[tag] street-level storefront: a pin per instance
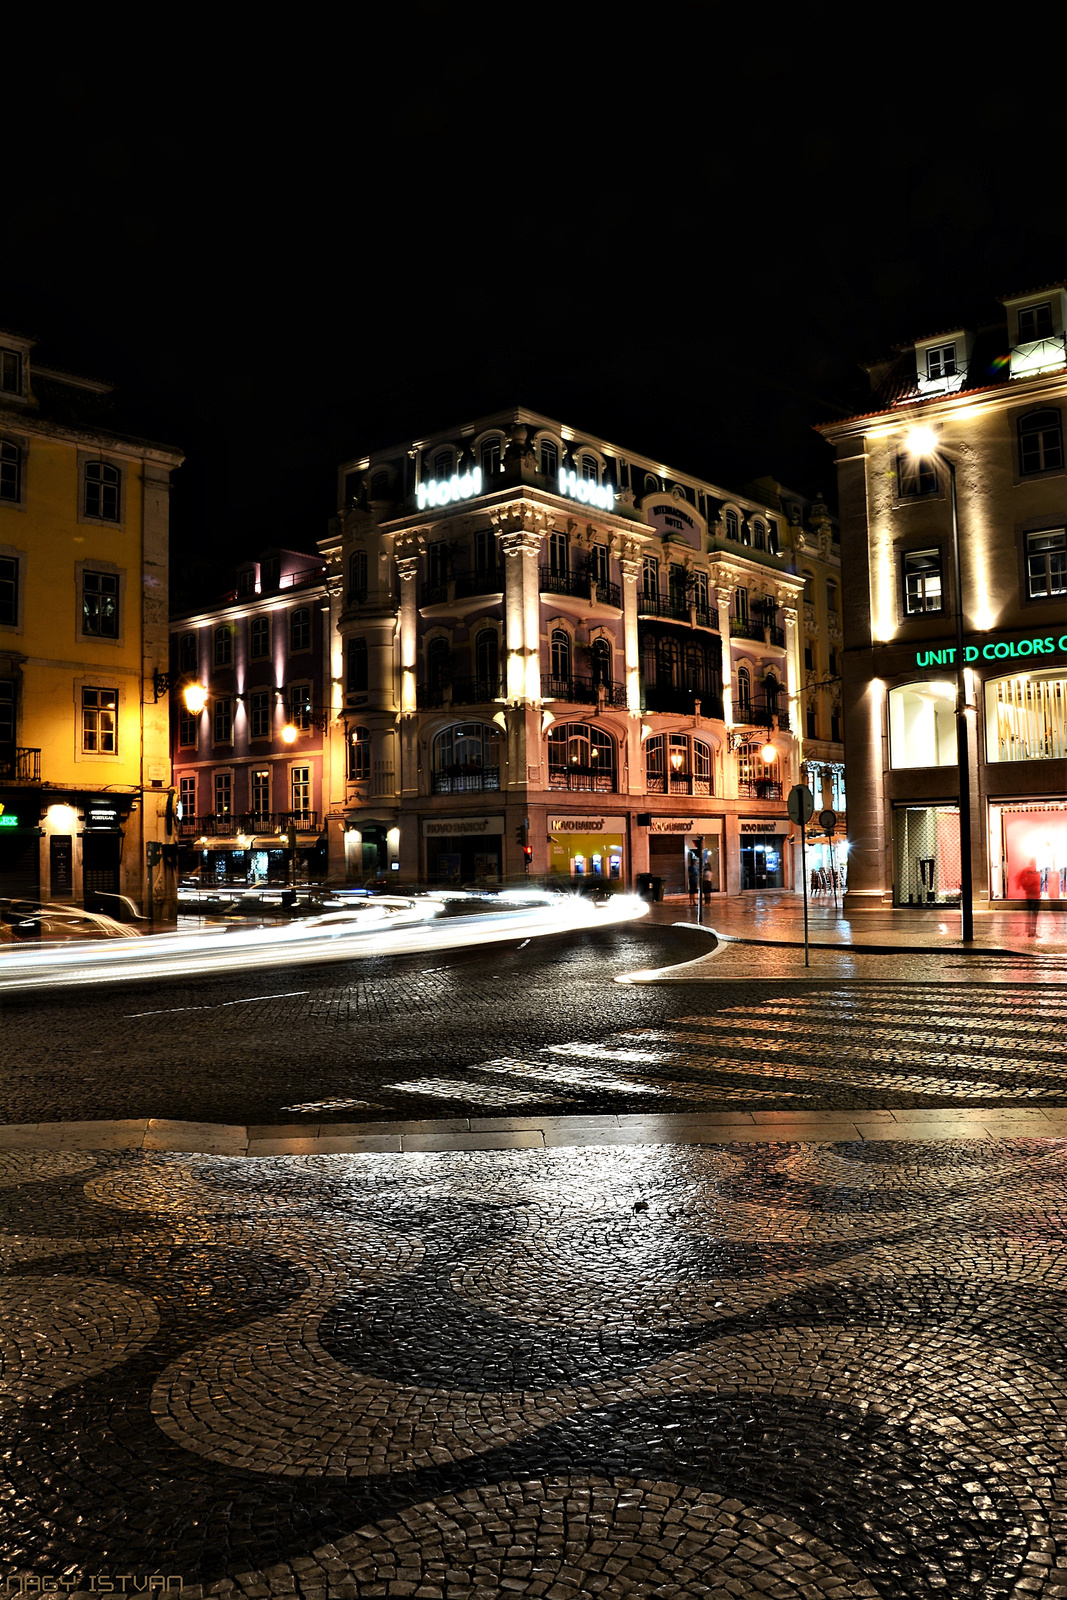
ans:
(461, 850)
(372, 848)
(762, 848)
(1028, 837)
(20, 851)
(587, 846)
(682, 849)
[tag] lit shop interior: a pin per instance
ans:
(586, 847)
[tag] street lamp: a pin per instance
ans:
(924, 445)
(289, 733)
(195, 697)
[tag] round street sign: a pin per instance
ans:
(801, 802)
(827, 821)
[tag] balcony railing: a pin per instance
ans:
(776, 636)
(20, 765)
(433, 594)
(303, 575)
(747, 628)
(761, 789)
(650, 605)
(683, 702)
(587, 778)
(758, 715)
(458, 692)
(582, 585)
(488, 581)
(579, 690)
(229, 825)
(678, 783)
(488, 778)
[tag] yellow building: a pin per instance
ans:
(86, 808)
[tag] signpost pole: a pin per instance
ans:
(800, 805)
(804, 876)
(700, 878)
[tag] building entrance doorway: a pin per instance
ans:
(101, 855)
(761, 863)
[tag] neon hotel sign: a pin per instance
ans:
(1044, 644)
(466, 485)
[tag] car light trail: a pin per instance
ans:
(389, 926)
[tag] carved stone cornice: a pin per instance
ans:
(521, 516)
(407, 568)
(630, 567)
(811, 618)
(520, 542)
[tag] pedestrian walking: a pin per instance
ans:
(1030, 884)
(693, 877)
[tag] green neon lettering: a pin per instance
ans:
(1026, 647)
(970, 653)
(1000, 650)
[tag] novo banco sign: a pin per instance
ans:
(994, 649)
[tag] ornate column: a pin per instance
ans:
(407, 566)
(792, 657)
(630, 566)
(724, 596)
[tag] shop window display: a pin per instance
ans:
(926, 852)
(1027, 836)
(922, 725)
(1026, 717)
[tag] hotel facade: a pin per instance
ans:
(539, 654)
(991, 404)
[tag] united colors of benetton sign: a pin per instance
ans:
(1038, 644)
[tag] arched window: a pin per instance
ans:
(549, 459)
(580, 757)
(561, 655)
(438, 663)
(357, 666)
(656, 764)
(702, 776)
(300, 629)
(602, 661)
(259, 638)
(10, 471)
(831, 595)
(223, 646)
(559, 555)
(442, 464)
(487, 663)
(651, 483)
(1040, 441)
(649, 578)
(757, 779)
(696, 663)
(741, 604)
(771, 691)
(357, 577)
(759, 535)
(809, 586)
(772, 538)
(744, 690)
(668, 663)
(490, 457)
(465, 758)
(359, 755)
(590, 469)
(379, 486)
(732, 526)
(102, 486)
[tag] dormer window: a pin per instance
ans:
(10, 372)
(941, 361)
(549, 459)
(731, 525)
(1035, 322)
(379, 486)
(442, 465)
(590, 469)
(490, 457)
(246, 581)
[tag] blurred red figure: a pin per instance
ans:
(1030, 883)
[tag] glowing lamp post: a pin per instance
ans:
(195, 697)
(289, 733)
(923, 444)
(768, 754)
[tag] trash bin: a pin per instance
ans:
(649, 887)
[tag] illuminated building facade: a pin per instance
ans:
(549, 652)
(249, 762)
(86, 814)
(993, 401)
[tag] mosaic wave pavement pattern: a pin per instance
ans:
(774, 1370)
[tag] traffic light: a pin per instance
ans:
(522, 838)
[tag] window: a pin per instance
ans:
(756, 778)
(484, 550)
(442, 464)
(941, 361)
(10, 471)
(916, 476)
(809, 658)
(357, 577)
(650, 578)
(744, 690)
(270, 571)
(187, 653)
(732, 525)
(676, 586)
(602, 661)
(922, 581)
(746, 533)
(102, 491)
(7, 713)
(487, 661)
(922, 725)
(599, 563)
(100, 605)
(246, 581)
(438, 663)
(359, 755)
(561, 654)
(701, 766)
(187, 798)
(437, 563)
(811, 725)
(1046, 564)
(1026, 719)
(833, 663)
(223, 784)
(559, 555)
(759, 535)
(187, 727)
(656, 764)
(259, 638)
(490, 458)
(651, 484)
(700, 590)
(100, 709)
(831, 595)
(299, 697)
(1040, 441)
(741, 604)
(223, 722)
(835, 725)
(223, 643)
(580, 757)
(259, 791)
(379, 486)
(590, 469)
(549, 459)
(300, 788)
(772, 538)
(9, 591)
(771, 691)
(10, 372)
(809, 587)
(357, 665)
(466, 747)
(1035, 322)
(260, 717)
(300, 629)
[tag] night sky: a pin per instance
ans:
(684, 243)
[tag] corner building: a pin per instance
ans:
(994, 401)
(550, 652)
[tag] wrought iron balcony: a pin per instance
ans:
(585, 778)
(678, 783)
(682, 702)
(580, 690)
(231, 825)
(673, 610)
(487, 581)
(20, 764)
(747, 628)
(433, 594)
(486, 778)
(776, 636)
(761, 789)
(458, 692)
(582, 585)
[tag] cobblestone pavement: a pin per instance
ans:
(784, 1370)
(543, 1026)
